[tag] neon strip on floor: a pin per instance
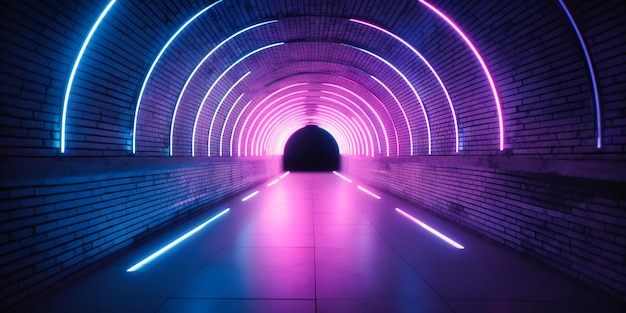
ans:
(284, 175)
(342, 177)
(273, 182)
(250, 196)
(175, 242)
(369, 192)
(432, 230)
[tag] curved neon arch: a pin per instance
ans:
(193, 73)
(232, 134)
(254, 109)
(363, 130)
(406, 80)
(328, 122)
(470, 44)
(156, 60)
(382, 126)
(348, 124)
(273, 114)
(430, 67)
(79, 57)
(592, 76)
(217, 109)
(226, 122)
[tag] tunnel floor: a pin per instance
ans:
(313, 242)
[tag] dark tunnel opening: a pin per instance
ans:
(311, 149)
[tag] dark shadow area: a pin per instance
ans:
(311, 149)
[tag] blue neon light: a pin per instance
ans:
(145, 81)
(175, 242)
(70, 82)
(182, 92)
(592, 75)
(226, 121)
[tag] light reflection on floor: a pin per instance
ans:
(316, 243)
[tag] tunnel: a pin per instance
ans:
(501, 124)
(311, 149)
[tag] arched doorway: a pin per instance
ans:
(311, 149)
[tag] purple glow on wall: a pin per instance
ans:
(193, 73)
(406, 118)
(480, 59)
(430, 67)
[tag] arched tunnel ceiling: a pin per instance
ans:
(237, 78)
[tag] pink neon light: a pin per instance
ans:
(480, 60)
(443, 87)
(432, 230)
(371, 123)
(382, 126)
(367, 132)
(258, 135)
(342, 177)
(250, 196)
(273, 182)
(328, 124)
(349, 125)
(343, 143)
(254, 109)
(285, 120)
(284, 175)
(368, 192)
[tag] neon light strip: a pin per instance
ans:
(432, 230)
(367, 131)
(232, 134)
(382, 126)
(250, 196)
(344, 145)
(406, 80)
(70, 82)
(376, 114)
(274, 117)
(273, 182)
(219, 105)
(406, 118)
(175, 242)
(257, 116)
(342, 177)
(145, 81)
(350, 126)
(592, 76)
(226, 121)
(281, 130)
(443, 87)
(482, 63)
(195, 124)
(193, 73)
(284, 175)
(249, 115)
(369, 192)
(347, 144)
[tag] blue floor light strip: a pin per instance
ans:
(175, 242)
(432, 230)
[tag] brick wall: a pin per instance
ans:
(69, 213)
(567, 214)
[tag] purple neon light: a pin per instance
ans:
(232, 134)
(226, 122)
(368, 192)
(364, 130)
(259, 134)
(366, 116)
(375, 112)
(342, 177)
(154, 63)
(257, 116)
(432, 230)
(272, 183)
(592, 76)
(328, 123)
(406, 118)
(430, 67)
(470, 44)
(350, 126)
(219, 105)
(280, 131)
(242, 128)
(343, 143)
(246, 198)
(193, 73)
(276, 115)
(406, 80)
(284, 175)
